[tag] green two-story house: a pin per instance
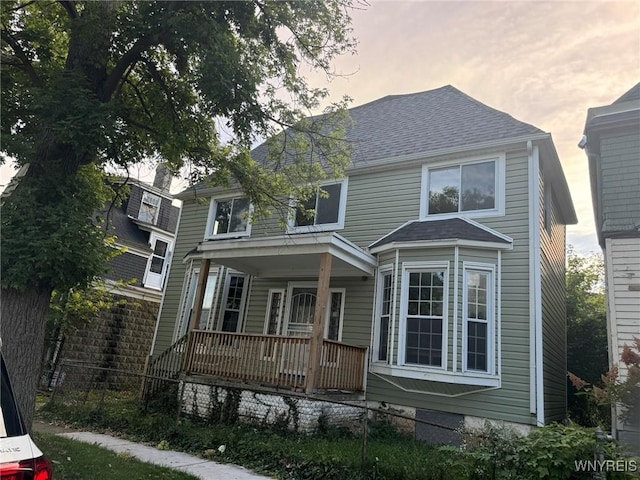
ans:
(430, 277)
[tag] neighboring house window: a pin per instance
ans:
(478, 318)
(189, 302)
(149, 208)
(323, 211)
(233, 303)
(381, 347)
(473, 188)
(158, 262)
(229, 218)
(424, 317)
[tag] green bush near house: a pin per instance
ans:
(488, 454)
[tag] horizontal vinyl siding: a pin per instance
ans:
(358, 301)
(552, 268)
(625, 258)
(190, 233)
(511, 401)
(380, 202)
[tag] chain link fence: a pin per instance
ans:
(90, 386)
(86, 387)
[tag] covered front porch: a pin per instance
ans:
(305, 357)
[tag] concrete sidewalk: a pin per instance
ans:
(196, 466)
(199, 467)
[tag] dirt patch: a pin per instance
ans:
(41, 426)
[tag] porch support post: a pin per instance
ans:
(317, 335)
(203, 275)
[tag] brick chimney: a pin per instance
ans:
(162, 179)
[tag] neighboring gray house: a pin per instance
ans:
(144, 225)
(431, 278)
(612, 142)
(120, 337)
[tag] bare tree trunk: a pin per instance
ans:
(22, 329)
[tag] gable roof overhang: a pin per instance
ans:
(442, 233)
(288, 256)
(623, 115)
(551, 164)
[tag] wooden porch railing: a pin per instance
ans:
(273, 360)
(166, 365)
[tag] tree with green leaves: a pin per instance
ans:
(88, 85)
(586, 331)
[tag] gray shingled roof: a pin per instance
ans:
(446, 229)
(399, 125)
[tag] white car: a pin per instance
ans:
(20, 458)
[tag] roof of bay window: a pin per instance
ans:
(453, 230)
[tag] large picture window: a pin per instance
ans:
(472, 188)
(323, 211)
(229, 218)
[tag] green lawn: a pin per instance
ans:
(73, 460)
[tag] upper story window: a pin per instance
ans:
(473, 187)
(229, 218)
(323, 211)
(149, 208)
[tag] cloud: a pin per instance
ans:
(544, 63)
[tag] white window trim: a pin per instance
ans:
(281, 291)
(213, 205)
(383, 270)
(491, 314)
(413, 267)
(153, 237)
(499, 209)
(342, 209)
(243, 300)
(287, 309)
(186, 286)
(156, 201)
(421, 373)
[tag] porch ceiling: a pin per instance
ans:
(288, 255)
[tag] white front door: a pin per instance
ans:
(301, 306)
(301, 309)
(158, 262)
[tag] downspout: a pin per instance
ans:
(535, 295)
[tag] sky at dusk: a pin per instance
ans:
(542, 62)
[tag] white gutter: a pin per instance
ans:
(536, 364)
(205, 190)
